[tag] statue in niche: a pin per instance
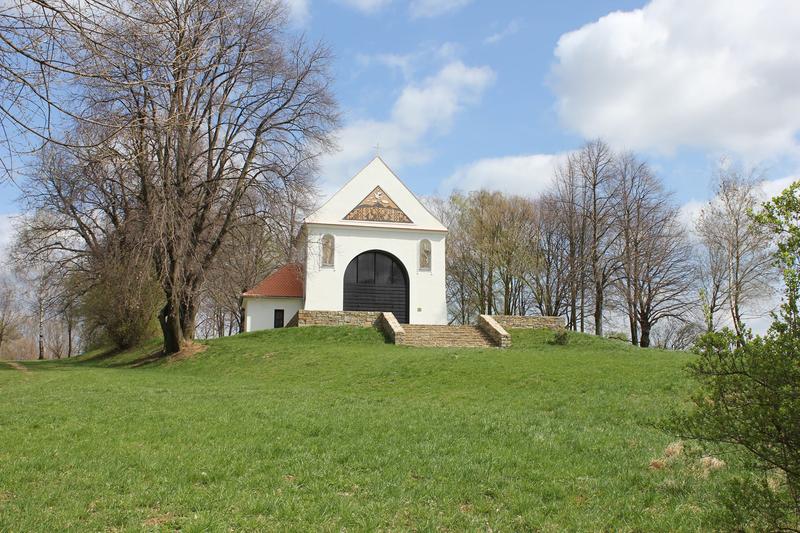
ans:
(327, 250)
(425, 255)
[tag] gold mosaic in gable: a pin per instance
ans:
(378, 207)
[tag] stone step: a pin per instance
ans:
(446, 336)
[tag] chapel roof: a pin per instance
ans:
(376, 197)
(286, 282)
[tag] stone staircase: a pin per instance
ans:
(446, 336)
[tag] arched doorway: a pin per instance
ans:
(376, 281)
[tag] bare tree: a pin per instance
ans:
(255, 247)
(739, 260)
(514, 249)
(655, 276)
(194, 108)
(570, 199)
(552, 278)
(9, 312)
(595, 164)
(712, 267)
(676, 334)
(461, 300)
(665, 281)
(38, 262)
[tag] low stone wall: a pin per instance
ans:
(392, 328)
(529, 322)
(497, 332)
(363, 319)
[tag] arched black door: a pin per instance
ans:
(376, 281)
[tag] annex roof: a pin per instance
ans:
(286, 282)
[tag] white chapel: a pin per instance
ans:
(372, 247)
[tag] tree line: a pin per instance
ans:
(606, 240)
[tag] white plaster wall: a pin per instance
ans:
(260, 312)
(324, 286)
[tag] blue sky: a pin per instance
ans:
(681, 83)
(478, 93)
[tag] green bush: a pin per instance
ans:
(121, 306)
(560, 337)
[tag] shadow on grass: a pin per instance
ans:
(145, 355)
(116, 358)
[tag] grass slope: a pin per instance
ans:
(331, 428)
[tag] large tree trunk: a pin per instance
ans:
(242, 317)
(220, 317)
(598, 309)
(634, 328)
(736, 316)
(188, 315)
(69, 337)
(583, 304)
(573, 312)
(644, 342)
(171, 328)
(41, 330)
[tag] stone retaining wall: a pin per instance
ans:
(392, 328)
(530, 322)
(497, 332)
(363, 319)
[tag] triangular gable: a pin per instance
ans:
(355, 204)
(378, 207)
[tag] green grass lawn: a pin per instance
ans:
(332, 429)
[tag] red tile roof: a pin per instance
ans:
(286, 282)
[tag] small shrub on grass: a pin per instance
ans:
(560, 338)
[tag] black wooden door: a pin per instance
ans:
(278, 323)
(376, 281)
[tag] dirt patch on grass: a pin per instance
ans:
(188, 351)
(671, 453)
(158, 520)
(710, 464)
(17, 366)
(673, 450)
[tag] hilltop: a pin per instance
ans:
(332, 428)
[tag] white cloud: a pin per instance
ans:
(421, 110)
(524, 174)
(773, 188)
(409, 63)
(435, 8)
(690, 211)
(299, 10)
(366, 6)
(715, 74)
(510, 29)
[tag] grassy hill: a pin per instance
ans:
(331, 428)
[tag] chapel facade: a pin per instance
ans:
(373, 246)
